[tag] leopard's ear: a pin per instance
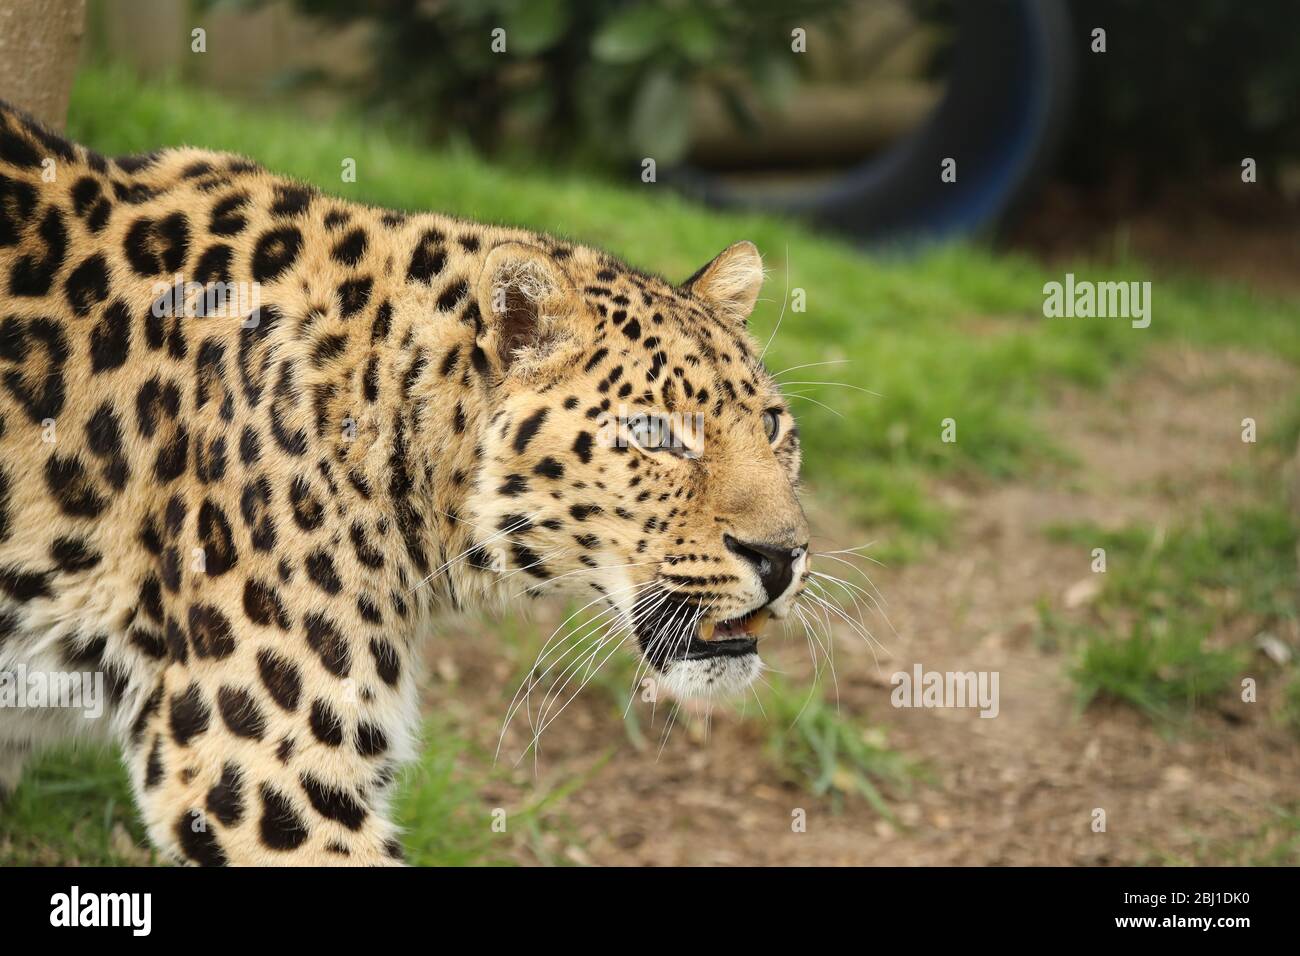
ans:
(730, 283)
(521, 291)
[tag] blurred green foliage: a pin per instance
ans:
(1184, 88)
(604, 79)
(1180, 89)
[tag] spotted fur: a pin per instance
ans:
(245, 521)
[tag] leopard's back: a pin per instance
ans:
(184, 339)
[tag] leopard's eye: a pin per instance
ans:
(651, 432)
(771, 423)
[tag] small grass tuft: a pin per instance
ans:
(1178, 605)
(1163, 674)
(73, 807)
(1289, 712)
(812, 744)
(1273, 840)
(447, 818)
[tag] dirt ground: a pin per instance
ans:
(1016, 789)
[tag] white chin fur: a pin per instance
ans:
(712, 677)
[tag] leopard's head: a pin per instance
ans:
(638, 454)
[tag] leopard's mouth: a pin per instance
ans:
(727, 638)
(660, 633)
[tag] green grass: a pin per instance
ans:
(1163, 671)
(1221, 567)
(957, 332)
(1167, 631)
(826, 753)
(73, 807)
(1289, 713)
(1272, 841)
(447, 821)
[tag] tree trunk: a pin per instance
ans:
(39, 43)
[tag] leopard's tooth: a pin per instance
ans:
(754, 623)
(706, 629)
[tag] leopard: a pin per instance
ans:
(256, 440)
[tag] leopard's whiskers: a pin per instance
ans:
(524, 521)
(785, 298)
(793, 368)
(858, 388)
(533, 678)
(813, 400)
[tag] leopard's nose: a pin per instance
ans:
(773, 564)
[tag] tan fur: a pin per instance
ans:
(246, 526)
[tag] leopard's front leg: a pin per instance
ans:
(266, 758)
